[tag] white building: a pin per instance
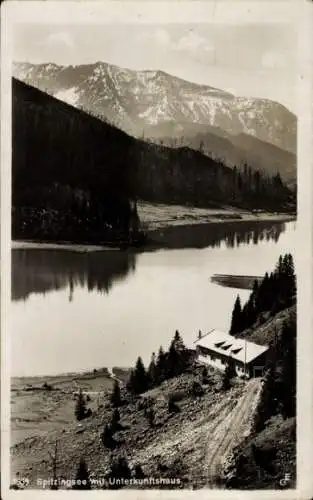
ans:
(216, 348)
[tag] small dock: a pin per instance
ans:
(236, 280)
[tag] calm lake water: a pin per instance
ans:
(73, 311)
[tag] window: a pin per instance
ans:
(219, 344)
(225, 347)
(235, 351)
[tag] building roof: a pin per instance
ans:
(222, 343)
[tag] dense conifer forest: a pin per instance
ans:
(275, 292)
(76, 178)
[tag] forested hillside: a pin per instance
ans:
(269, 317)
(74, 177)
(232, 150)
(70, 173)
(183, 175)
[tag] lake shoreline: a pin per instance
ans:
(197, 218)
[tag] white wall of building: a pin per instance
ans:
(216, 362)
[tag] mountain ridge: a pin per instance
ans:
(133, 99)
(69, 167)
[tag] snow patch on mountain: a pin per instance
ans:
(128, 98)
(70, 96)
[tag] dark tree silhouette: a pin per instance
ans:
(80, 406)
(161, 366)
(82, 481)
(119, 470)
(228, 374)
(116, 395)
(107, 437)
(176, 361)
(236, 320)
(138, 380)
(115, 421)
(152, 371)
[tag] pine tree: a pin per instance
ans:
(150, 414)
(229, 373)
(116, 395)
(177, 358)
(80, 407)
(250, 313)
(107, 437)
(160, 366)
(236, 320)
(255, 296)
(289, 369)
(172, 406)
(139, 474)
(152, 371)
(138, 381)
(115, 421)
(119, 470)
(131, 382)
(291, 277)
(82, 481)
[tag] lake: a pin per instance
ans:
(75, 311)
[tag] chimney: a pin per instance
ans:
(199, 334)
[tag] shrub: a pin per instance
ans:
(177, 395)
(172, 406)
(229, 373)
(115, 421)
(205, 375)
(107, 437)
(116, 395)
(82, 477)
(119, 470)
(80, 407)
(150, 414)
(196, 390)
(47, 387)
(139, 474)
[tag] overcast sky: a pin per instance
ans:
(249, 59)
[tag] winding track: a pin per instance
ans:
(230, 431)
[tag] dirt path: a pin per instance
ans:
(231, 430)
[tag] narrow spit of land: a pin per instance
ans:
(236, 280)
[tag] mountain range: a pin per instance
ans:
(159, 107)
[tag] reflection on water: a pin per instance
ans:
(107, 308)
(231, 234)
(40, 271)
